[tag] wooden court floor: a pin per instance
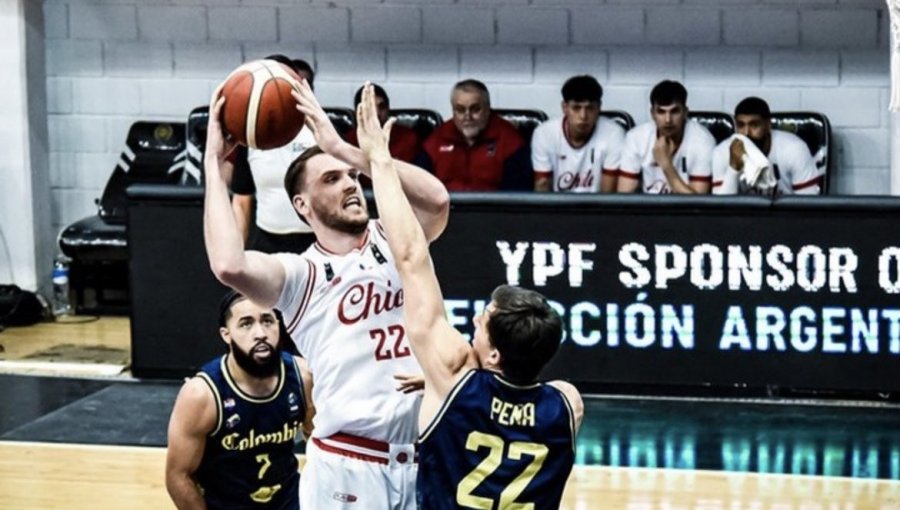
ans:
(37, 476)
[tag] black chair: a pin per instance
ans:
(98, 246)
(720, 124)
(620, 117)
(196, 145)
(420, 120)
(344, 119)
(526, 121)
(814, 129)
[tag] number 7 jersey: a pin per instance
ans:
(495, 445)
(345, 314)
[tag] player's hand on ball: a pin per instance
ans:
(374, 139)
(317, 120)
(218, 145)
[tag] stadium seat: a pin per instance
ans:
(422, 121)
(720, 124)
(196, 145)
(621, 118)
(525, 120)
(815, 129)
(98, 245)
(344, 119)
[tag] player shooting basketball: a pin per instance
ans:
(491, 436)
(342, 303)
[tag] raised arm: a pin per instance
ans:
(426, 194)
(258, 276)
(193, 417)
(441, 351)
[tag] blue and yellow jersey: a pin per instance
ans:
(494, 444)
(249, 460)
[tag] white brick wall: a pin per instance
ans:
(111, 62)
(314, 24)
(172, 23)
(386, 23)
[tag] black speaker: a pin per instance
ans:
(174, 295)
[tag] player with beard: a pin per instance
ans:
(343, 306)
(794, 167)
(234, 425)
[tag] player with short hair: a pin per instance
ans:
(477, 150)
(794, 167)
(233, 427)
(492, 435)
(580, 151)
(342, 301)
(668, 154)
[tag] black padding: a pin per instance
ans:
(151, 150)
(720, 124)
(196, 145)
(344, 119)
(814, 129)
(92, 239)
(620, 117)
(525, 120)
(420, 120)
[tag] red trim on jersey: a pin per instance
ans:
(304, 302)
(700, 178)
(806, 184)
(611, 171)
(717, 183)
(543, 172)
(325, 251)
(380, 228)
(628, 175)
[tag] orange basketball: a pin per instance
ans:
(259, 111)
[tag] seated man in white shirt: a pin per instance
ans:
(793, 166)
(668, 154)
(578, 152)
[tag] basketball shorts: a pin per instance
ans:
(354, 473)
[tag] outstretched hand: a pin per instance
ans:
(374, 139)
(218, 143)
(409, 383)
(327, 138)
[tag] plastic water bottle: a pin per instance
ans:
(61, 304)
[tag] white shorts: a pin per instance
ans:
(345, 472)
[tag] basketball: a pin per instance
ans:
(259, 111)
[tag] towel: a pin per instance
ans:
(757, 172)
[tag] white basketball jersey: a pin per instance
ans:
(794, 166)
(274, 212)
(692, 159)
(345, 314)
(576, 170)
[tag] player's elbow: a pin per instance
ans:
(413, 258)
(439, 212)
(228, 271)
